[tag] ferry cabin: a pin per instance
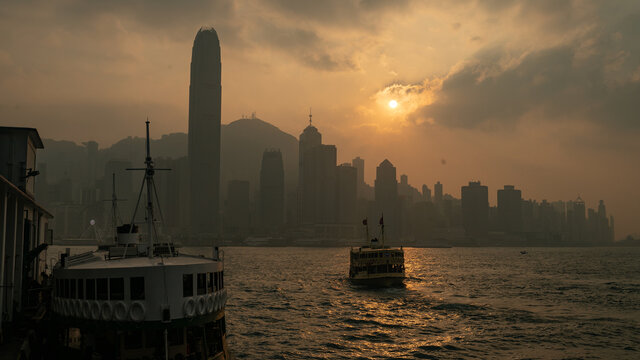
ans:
(376, 262)
(120, 307)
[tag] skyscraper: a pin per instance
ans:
(510, 209)
(272, 190)
(475, 208)
(205, 91)
(358, 163)
(386, 195)
(426, 193)
(346, 193)
(309, 139)
(437, 192)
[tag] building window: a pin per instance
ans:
(91, 289)
(202, 283)
(187, 285)
(136, 285)
(80, 288)
(102, 286)
(116, 285)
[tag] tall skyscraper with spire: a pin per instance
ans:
(205, 98)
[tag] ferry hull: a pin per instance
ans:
(382, 281)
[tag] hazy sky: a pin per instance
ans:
(544, 95)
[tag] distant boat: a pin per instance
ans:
(376, 264)
(524, 252)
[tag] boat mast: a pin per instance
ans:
(149, 180)
(114, 207)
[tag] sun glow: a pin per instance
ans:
(393, 104)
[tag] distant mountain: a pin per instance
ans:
(242, 144)
(244, 141)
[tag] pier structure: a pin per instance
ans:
(24, 224)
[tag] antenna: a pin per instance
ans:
(310, 116)
(149, 171)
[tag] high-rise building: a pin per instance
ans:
(205, 91)
(358, 163)
(475, 208)
(237, 218)
(346, 193)
(510, 209)
(386, 196)
(272, 190)
(426, 193)
(319, 193)
(309, 139)
(576, 219)
(437, 192)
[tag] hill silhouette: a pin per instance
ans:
(242, 143)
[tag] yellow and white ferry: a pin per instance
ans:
(376, 264)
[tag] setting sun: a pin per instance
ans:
(393, 104)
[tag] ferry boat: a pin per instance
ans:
(139, 298)
(376, 264)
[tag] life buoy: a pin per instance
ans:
(217, 301)
(67, 307)
(189, 307)
(86, 309)
(137, 311)
(76, 309)
(106, 311)
(201, 303)
(120, 311)
(95, 310)
(210, 303)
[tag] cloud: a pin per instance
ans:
(590, 78)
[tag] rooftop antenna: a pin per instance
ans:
(310, 116)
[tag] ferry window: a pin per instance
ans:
(65, 289)
(80, 288)
(187, 285)
(72, 288)
(102, 289)
(136, 287)
(58, 292)
(91, 289)
(116, 285)
(133, 340)
(209, 282)
(216, 281)
(221, 279)
(202, 283)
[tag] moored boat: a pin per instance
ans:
(140, 299)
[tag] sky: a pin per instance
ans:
(540, 94)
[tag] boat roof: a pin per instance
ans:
(374, 249)
(99, 262)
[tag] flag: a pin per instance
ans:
(382, 220)
(364, 222)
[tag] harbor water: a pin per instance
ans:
(558, 303)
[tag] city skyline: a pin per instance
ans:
(535, 124)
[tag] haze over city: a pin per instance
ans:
(539, 94)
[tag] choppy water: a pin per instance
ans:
(295, 303)
(561, 303)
